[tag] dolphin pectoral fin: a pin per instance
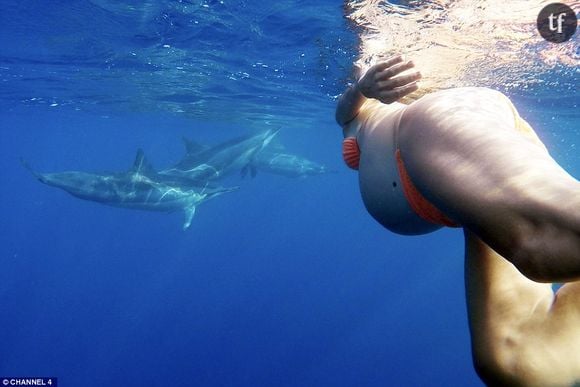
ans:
(244, 171)
(189, 213)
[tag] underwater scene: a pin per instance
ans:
(175, 206)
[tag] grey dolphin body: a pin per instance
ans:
(209, 163)
(138, 188)
(286, 164)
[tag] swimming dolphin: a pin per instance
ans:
(139, 188)
(286, 164)
(204, 163)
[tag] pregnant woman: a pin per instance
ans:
(463, 157)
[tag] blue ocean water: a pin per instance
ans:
(286, 282)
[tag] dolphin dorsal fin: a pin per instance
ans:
(141, 165)
(192, 147)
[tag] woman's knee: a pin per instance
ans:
(547, 254)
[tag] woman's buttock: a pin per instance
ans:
(388, 190)
(451, 114)
(464, 107)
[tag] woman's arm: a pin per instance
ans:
(379, 82)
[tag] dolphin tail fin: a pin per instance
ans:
(274, 145)
(250, 167)
(274, 131)
(269, 137)
(26, 165)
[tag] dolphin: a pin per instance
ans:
(139, 188)
(286, 164)
(202, 163)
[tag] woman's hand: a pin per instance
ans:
(381, 82)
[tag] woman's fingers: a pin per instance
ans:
(392, 61)
(391, 71)
(402, 80)
(379, 67)
(381, 81)
(390, 96)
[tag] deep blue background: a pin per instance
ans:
(282, 283)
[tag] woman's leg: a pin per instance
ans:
(464, 153)
(521, 334)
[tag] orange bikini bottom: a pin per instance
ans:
(425, 209)
(421, 206)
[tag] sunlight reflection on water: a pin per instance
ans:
(463, 42)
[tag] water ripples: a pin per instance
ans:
(205, 59)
